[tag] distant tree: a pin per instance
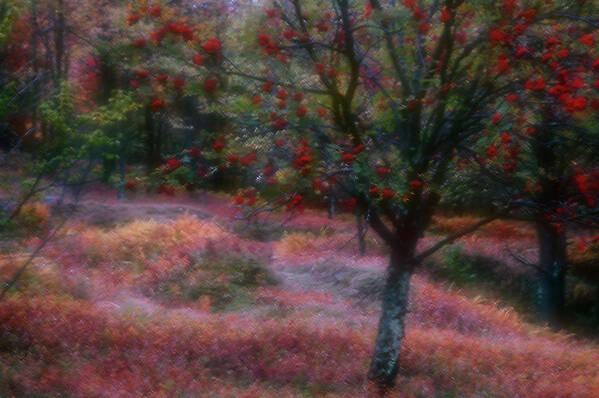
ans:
(542, 145)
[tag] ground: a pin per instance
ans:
(176, 297)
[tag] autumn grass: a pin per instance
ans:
(498, 229)
(282, 341)
(109, 355)
(324, 243)
(144, 239)
(219, 281)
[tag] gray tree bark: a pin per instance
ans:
(385, 361)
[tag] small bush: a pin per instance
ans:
(222, 281)
(457, 266)
(38, 281)
(33, 218)
(260, 231)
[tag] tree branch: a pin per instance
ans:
(454, 237)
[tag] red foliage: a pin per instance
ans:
(178, 83)
(171, 165)
(195, 152)
(156, 11)
(374, 191)
(387, 193)
(140, 43)
(445, 15)
(212, 46)
(132, 19)
(157, 105)
(348, 205)
(218, 145)
(210, 85)
(348, 158)
(142, 75)
(280, 124)
(198, 59)
(382, 171)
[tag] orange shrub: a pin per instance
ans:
(33, 217)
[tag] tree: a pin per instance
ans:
(374, 99)
(397, 114)
(542, 141)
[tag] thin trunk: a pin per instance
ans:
(59, 42)
(35, 62)
(122, 172)
(46, 128)
(551, 289)
(385, 361)
(108, 78)
(160, 140)
(153, 141)
(361, 233)
(332, 210)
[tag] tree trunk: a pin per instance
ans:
(551, 289)
(122, 175)
(34, 59)
(332, 209)
(385, 361)
(59, 29)
(153, 141)
(361, 233)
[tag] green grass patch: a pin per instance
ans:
(224, 282)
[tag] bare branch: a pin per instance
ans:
(454, 237)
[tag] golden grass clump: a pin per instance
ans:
(297, 243)
(144, 239)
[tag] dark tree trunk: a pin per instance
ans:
(191, 117)
(551, 289)
(552, 243)
(108, 78)
(35, 62)
(122, 175)
(385, 361)
(153, 141)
